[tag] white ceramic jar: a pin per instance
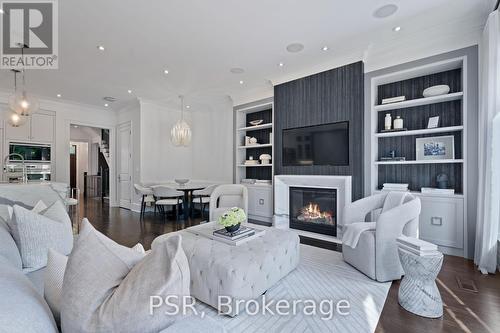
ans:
(388, 121)
(398, 123)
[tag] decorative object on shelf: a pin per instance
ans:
(181, 181)
(252, 141)
(398, 123)
(250, 158)
(251, 162)
(442, 180)
(433, 122)
(247, 181)
(247, 140)
(262, 181)
(387, 121)
(392, 157)
(256, 122)
(441, 89)
(21, 102)
(232, 219)
(180, 135)
(435, 148)
(393, 99)
(265, 159)
(432, 190)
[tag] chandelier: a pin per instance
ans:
(180, 135)
(14, 118)
(21, 102)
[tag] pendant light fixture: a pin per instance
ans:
(21, 102)
(13, 118)
(180, 135)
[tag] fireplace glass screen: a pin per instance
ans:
(314, 210)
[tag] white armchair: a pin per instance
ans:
(375, 253)
(227, 196)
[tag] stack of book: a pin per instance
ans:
(395, 187)
(393, 99)
(237, 237)
(432, 190)
(417, 246)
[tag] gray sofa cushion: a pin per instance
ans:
(195, 324)
(107, 287)
(22, 308)
(36, 233)
(8, 247)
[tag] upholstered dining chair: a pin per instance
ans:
(146, 194)
(202, 197)
(167, 196)
(371, 246)
(225, 197)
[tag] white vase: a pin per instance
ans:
(398, 123)
(388, 121)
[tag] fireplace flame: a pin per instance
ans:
(312, 212)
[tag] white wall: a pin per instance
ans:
(208, 157)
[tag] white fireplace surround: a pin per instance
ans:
(282, 185)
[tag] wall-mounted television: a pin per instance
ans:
(326, 144)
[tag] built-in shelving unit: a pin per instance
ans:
(260, 196)
(443, 217)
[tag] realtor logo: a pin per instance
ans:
(29, 34)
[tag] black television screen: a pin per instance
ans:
(326, 144)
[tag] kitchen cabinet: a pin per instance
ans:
(39, 128)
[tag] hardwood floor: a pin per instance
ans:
(465, 311)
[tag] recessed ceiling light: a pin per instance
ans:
(295, 47)
(325, 48)
(188, 106)
(237, 70)
(1, 11)
(241, 82)
(106, 104)
(75, 126)
(100, 47)
(281, 64)
(58, 95)
(396, 29)
(385, 11)
(129, 91)
(165, 71)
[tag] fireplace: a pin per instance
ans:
(313, 209)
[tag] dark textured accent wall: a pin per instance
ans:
(331, 96)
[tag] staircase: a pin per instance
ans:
(104, 145)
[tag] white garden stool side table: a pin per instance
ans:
(418, 292)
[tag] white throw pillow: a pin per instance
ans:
(35, 233)
(107, 287)
(54, 275)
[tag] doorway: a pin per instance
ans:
(89, 160)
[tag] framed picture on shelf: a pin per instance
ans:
(433, 122)
(435, 148)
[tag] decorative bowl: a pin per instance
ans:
(441, 89)
(181, 181)
(256, 122)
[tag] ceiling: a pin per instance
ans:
(198, 41)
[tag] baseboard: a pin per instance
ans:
(135, 207)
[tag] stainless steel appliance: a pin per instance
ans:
(31, 152)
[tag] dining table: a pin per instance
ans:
(188, 190)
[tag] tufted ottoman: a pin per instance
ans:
(240, 272)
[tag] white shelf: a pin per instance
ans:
(420, 162)
(254, 166)
(455, 195)
(420, 132)
(419, 101)
(256, 146)
(257, 127)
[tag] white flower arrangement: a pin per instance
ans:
(234, 216)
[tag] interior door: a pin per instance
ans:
(124, 165)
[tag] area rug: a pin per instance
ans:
(322, 275)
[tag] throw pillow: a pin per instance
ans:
(54, 275)
(35, 233)
(104, 292)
